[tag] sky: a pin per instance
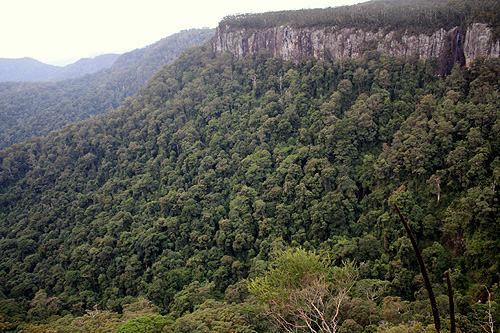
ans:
(60, 32)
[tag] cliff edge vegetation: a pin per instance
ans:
(415, 17)
(454, 32)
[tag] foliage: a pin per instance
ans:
(220, 164)
(145, 324)
(303, 292)
(423, 16)
(213, 316)
(139, 316)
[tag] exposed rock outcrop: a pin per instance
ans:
(480, 42)
(296, 43)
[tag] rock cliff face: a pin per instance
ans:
(297, 43)
(479, 42)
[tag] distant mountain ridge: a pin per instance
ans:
(24, 69)
(32, 70)
(30, 109)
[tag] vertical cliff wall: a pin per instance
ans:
(291, 43)
(480, 42)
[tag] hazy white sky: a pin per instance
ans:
(63, 31)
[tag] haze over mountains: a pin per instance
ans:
(32, 70)
(29, 109)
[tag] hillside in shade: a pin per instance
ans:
(30, 109)
(253, 193)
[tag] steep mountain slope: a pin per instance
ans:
(31, 70)
(35, 109)
(220, 163)
(454, 32)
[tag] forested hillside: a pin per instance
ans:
(221, 163)
(36, 108)
(84, 66)
(225, 173)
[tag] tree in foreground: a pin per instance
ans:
(303, 291)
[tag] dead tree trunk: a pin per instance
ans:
(452, 304)
(432, 299)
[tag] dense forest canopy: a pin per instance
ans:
(394, 15)
(225, 173)
(182, 193)
(30, 109)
